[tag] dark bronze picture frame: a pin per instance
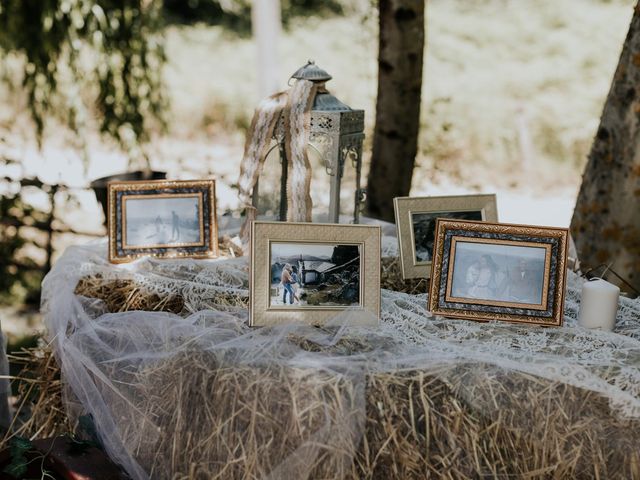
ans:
(121, 192)
(548, 312)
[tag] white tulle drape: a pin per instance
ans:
(100, 352)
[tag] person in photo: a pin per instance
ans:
(295, 283)
(286, 280)
(524, 286)
(158, 223)
(175, 226)
(481, 278)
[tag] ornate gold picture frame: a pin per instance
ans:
(497, 271)
(163, 218)
(310, 272)
(415, 223)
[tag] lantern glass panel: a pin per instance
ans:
(269, 183)
(320, 150)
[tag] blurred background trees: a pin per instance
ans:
(82, 64)
(509, 103)
(111, 48)
(236, 14)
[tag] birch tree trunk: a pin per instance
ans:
(606, 220)
(395, 140)
(265, 23)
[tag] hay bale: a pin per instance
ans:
(196, 418)
(192, 415)
(226, 422)
(466, 421)
(124, 295)
(476, 421)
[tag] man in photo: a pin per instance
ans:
(524, 285)
(175, 226)
(286, 280)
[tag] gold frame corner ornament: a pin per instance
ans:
(526, 231)
(162, 189)
(264, 234)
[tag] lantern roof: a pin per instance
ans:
(312, 72)
(325, 102)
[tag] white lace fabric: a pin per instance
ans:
(102, 353)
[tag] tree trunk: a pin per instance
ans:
(265, 23)
(395, 140)
(606, 220)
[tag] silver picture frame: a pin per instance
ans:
(416, 253)
(305, 237)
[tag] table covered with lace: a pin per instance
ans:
(159, 354)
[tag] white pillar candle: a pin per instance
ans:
(598, 305)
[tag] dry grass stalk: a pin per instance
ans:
(40, 412)
(228, 249)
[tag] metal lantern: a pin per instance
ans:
(336, 135)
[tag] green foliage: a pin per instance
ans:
(18, 448)
(122, 35)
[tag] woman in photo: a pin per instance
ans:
(158, 224)
(295, 283)
(481, 278)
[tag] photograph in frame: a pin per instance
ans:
(164, 219)
(416, 218)
(310, 273)
(491, 271)
(315, 275)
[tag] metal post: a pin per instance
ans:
(334, 199)
(358, 193)
(283, 182)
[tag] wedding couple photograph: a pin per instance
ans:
(162, 221)
(314, 275)
(499, 273)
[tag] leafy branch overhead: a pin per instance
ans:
(122, 74)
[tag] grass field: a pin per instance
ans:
(506, 84)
